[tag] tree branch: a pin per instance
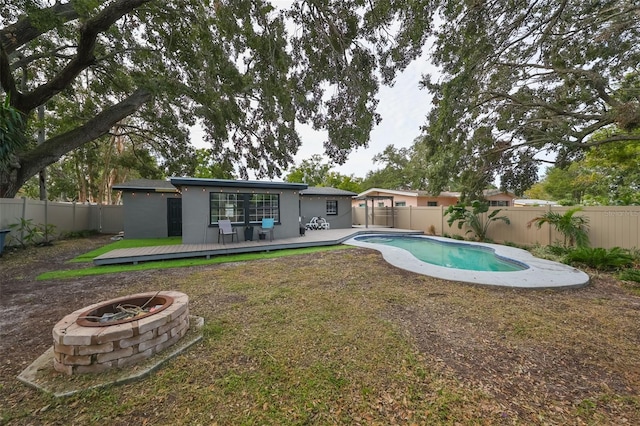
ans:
(51, 151)
(23, 31)
(84, 57)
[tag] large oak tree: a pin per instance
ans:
(525, 77)
(157, 67)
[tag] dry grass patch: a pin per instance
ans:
(344, 338)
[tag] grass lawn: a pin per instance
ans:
(127, 243)
(341, 337)
(165, 264)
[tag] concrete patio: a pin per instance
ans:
(312, 238)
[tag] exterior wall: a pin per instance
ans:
(501, 197)
(612, 226)
(442, 201)
(66, 217)
(145, 214)
(195, 214)
(423, 200)
(316, 205)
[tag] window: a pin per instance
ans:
(264, 206)
(332, 207)
(227, 206)
(243, 208)
(432, 204)
(380, 203)
(499, 203)
(401, 204)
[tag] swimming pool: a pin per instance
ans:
(526, 270)
(448, 254)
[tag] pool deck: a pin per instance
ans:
(312, 238)
(541, 274)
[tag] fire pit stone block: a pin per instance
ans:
(79, 349)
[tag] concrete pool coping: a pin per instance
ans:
(541, 274)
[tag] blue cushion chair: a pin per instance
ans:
(267, 228)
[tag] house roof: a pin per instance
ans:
(225, 183)
(325, 190)
(156, 185)
(374, 192)
(532, 202)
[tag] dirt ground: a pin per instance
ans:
(478, 335)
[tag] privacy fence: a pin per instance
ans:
(66, 217)
(609, 227)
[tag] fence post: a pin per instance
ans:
(46, 221)
(24, 217)
(549, 228)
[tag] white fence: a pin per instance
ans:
(66, 217)
(610, 226)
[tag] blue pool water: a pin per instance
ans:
(448, 254)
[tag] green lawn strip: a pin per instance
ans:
(122, 244)
(180, 263)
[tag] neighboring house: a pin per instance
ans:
(334, 205)
(385, 197)
(151, 208)
(527, 202)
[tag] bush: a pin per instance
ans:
(558, 250)
(630, 275)
(80, 234)
(29, 233)
(474, 218)
(600, 258)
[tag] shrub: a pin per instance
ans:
(473, 218)
(573, 228)
(600, 258)
(29, 233)
(630, 275)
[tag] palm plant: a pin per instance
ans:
(473, 218)
(573, 228)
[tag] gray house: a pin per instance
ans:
(245, 203)
(334, 205)
(152, 209)
(191, 207)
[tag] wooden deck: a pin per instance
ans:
(310, 239)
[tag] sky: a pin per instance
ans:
(403, 109)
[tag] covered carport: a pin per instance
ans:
(374, 199)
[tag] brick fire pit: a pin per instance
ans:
(81, 344)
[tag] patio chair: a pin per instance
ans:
(322, 223)
(266, 228)
(225, 229)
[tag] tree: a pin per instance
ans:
(616, 171)
(164, 65)
(474, 218)
(314, 172)
(207, 168)
(528, 77)
(607, 175)
(397, 171)
(344, 182)
(573, 228)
